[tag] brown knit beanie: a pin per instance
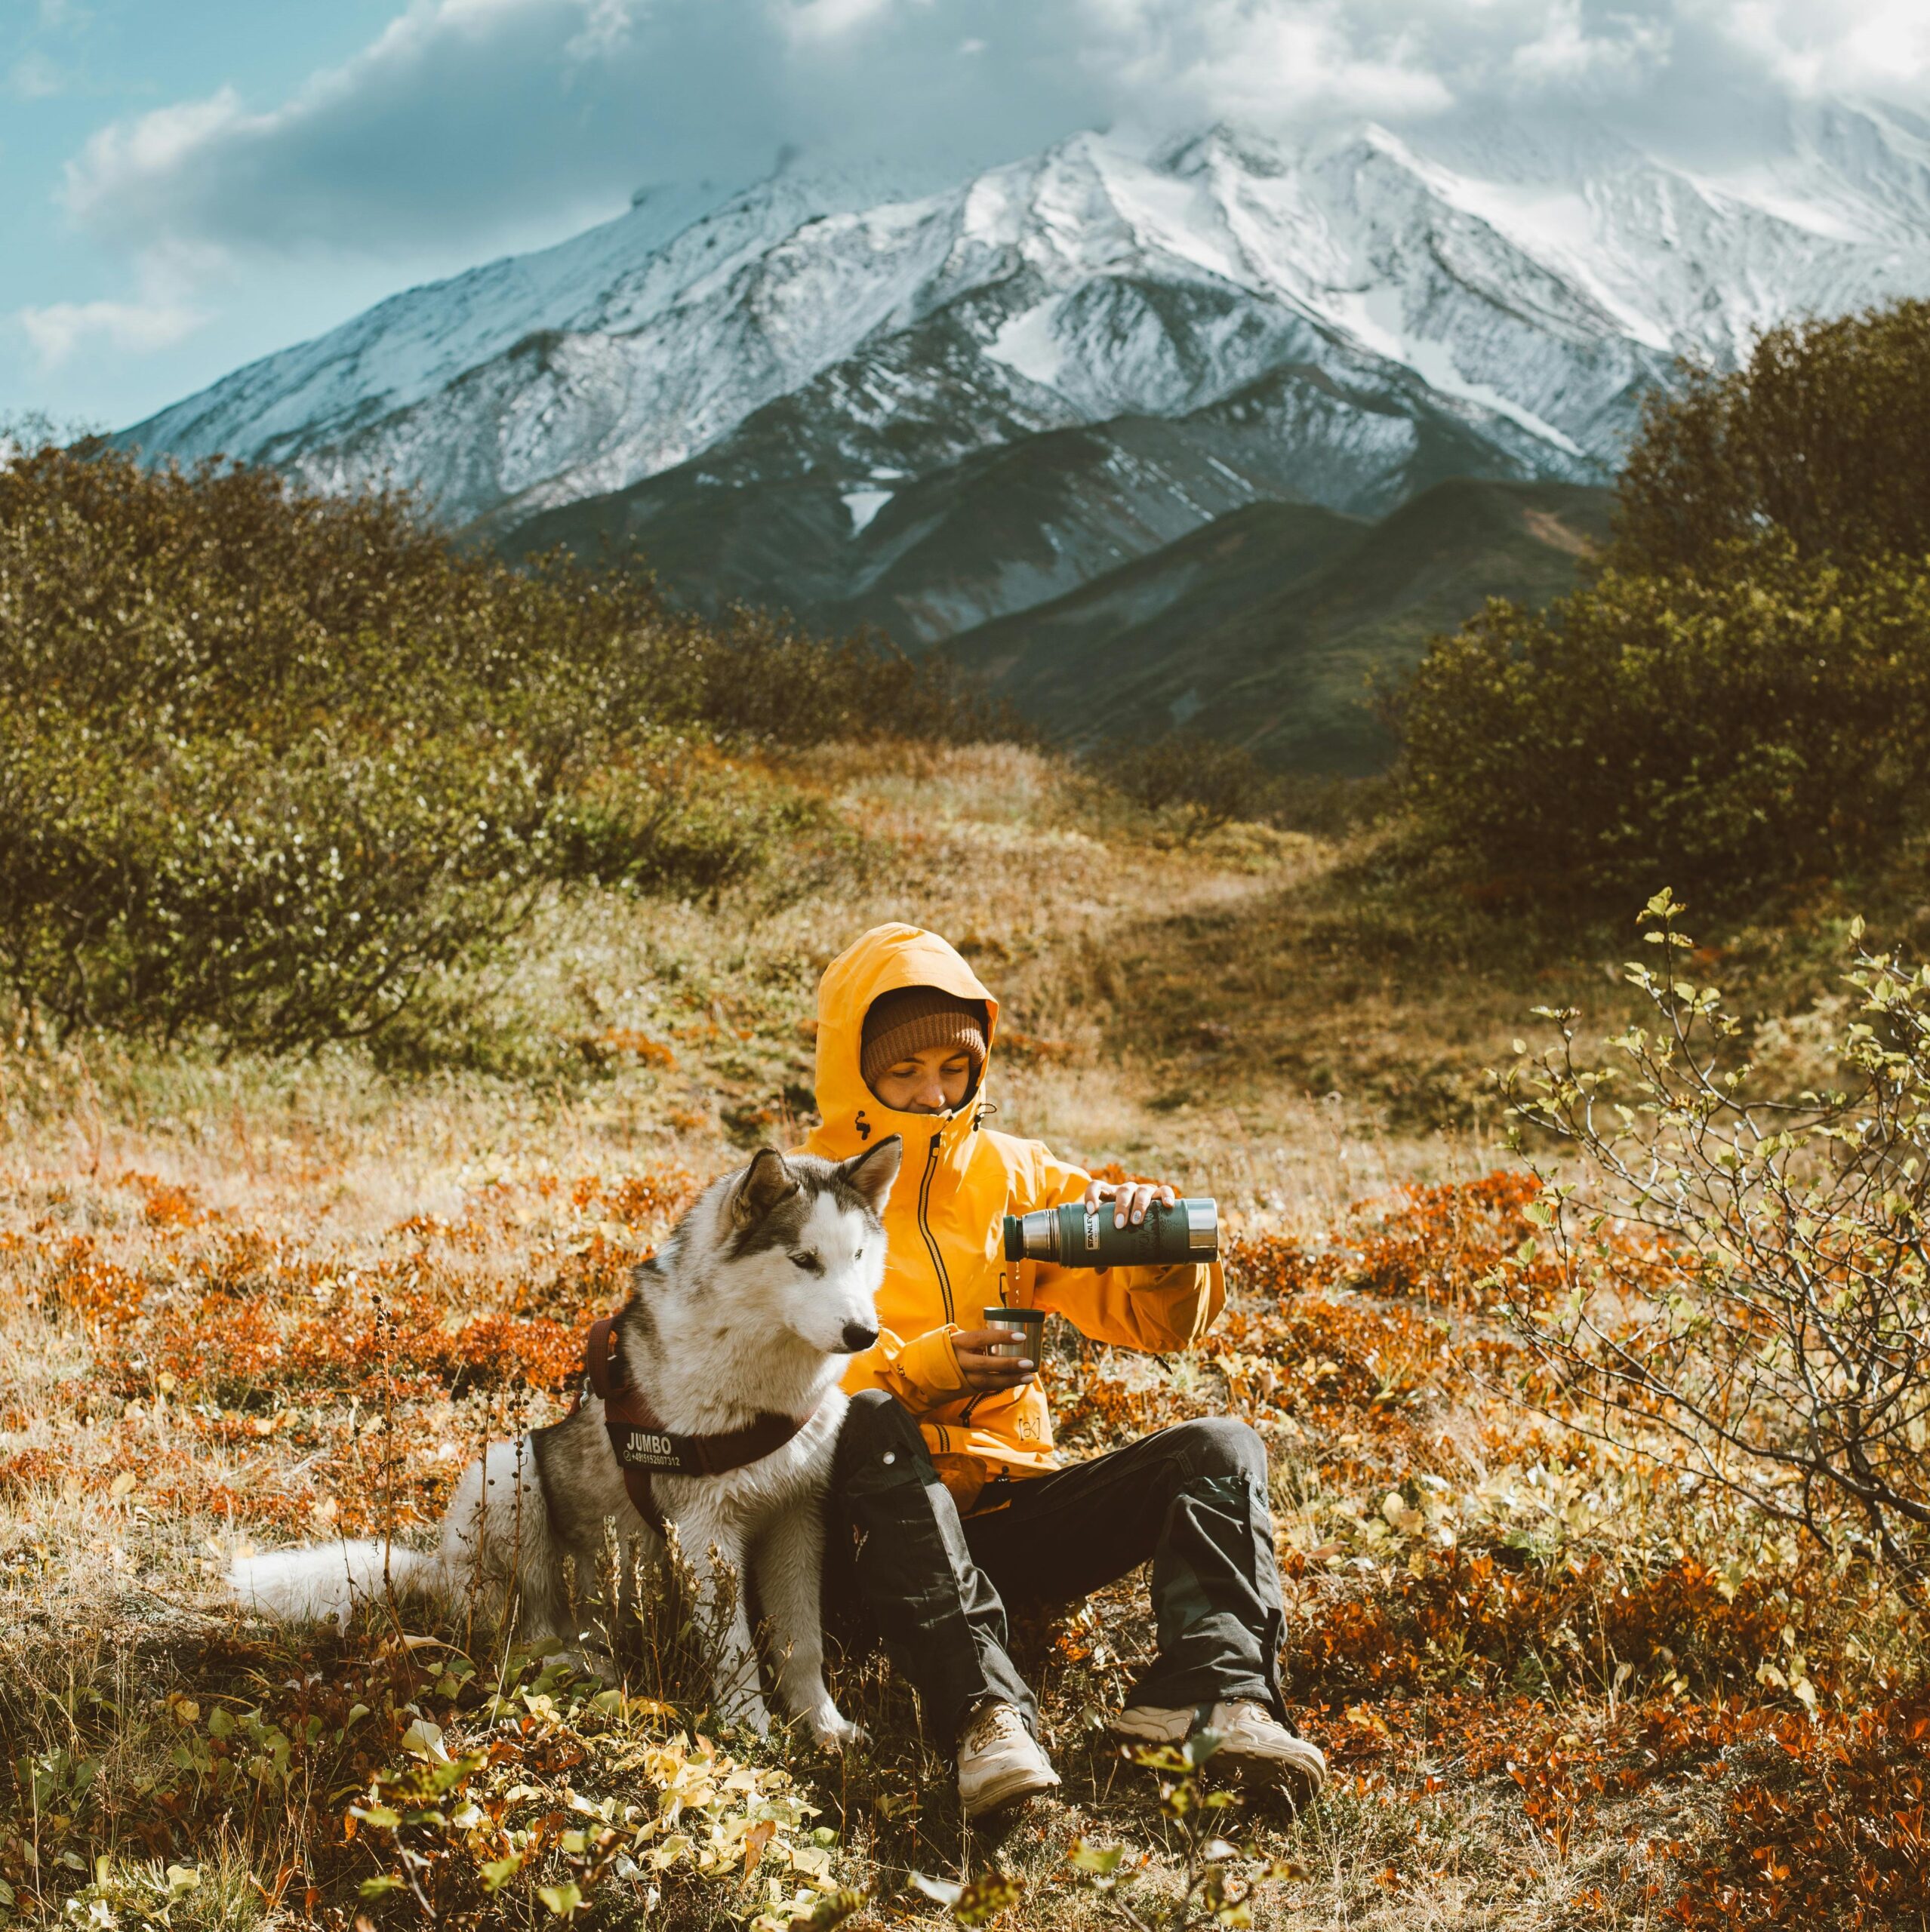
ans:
(900, 1024)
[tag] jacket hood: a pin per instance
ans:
(880, 961)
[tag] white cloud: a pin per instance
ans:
(61, 330)
(1279, 62)
(826, 19)
(461, 119)
(1566, 52)
(1827, 46)
(122, 156)
(34, 77)
(469, 125)
(603, 33)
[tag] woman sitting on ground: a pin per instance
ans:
(946, 1468)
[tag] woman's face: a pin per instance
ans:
(933, 1081)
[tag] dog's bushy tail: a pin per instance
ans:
(325, 1583)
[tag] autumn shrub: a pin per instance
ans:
(1832, 1816)
(272, 763)
(1459, 1617)
(755, 678)
(1786, 1354)
(673, 817)
(1200, 782)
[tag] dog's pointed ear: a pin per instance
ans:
(767, 1181)
(872, 1172)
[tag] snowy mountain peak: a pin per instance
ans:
(1514, 290)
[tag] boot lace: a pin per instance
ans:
(996, 1723)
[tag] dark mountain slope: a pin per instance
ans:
(764, 519)
(1265, 627)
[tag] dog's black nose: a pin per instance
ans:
(858, 1336)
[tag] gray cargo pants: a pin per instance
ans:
(1191, 1500)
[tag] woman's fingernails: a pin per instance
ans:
(1025, 1362)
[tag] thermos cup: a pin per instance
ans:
(1024, 1346)
(1081, 1236)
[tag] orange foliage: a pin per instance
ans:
(27, 1469)
(291, 1392)
(1434, 1244)
(253, 1345)
(614, 1041)
(1473, 1620)
(76, 1280)
(164, 1203)
(1028, 1049)
(1831, 1815)
(651, 1199)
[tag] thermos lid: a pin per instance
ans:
(1202, 1224)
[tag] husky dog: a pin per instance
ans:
(751, 1309)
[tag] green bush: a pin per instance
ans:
(1735, 734)
(1787, 1350)
(1736, 700)
(759, 679)
(164, 887)
(1200, 784)
(1197, 784)
(1818, 438)
(269, 762)
(674, 820)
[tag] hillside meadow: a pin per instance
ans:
(258, 1300)
(393, 943)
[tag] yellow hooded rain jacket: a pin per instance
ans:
(945, 1261)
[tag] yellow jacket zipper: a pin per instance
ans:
(925, 1227)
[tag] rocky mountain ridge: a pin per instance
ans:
(1526, 287)
(932, 411)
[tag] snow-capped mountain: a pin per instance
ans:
(1225, 319)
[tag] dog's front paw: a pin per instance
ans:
(833, 1731)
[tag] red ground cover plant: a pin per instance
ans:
(254, 1343)
(1355, 1347)
(1472, 1620)
(1527, 1636)
(1828, 1813)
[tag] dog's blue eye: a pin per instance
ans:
(809, 1263)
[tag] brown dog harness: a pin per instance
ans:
(645, 1447)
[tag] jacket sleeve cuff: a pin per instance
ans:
(928, 1368)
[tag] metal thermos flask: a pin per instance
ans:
(1081, 1236)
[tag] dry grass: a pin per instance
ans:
(252, 1303)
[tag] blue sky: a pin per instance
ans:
(186, 184)
(68, 70)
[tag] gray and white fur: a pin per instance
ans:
(756, 1303)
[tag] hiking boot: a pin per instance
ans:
(1000, 1762)
(1253, 1742)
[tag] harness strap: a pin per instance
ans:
(643, 1446)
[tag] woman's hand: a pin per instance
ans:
(983, 1372)
(1130, 1198)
